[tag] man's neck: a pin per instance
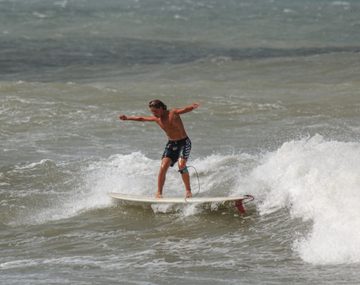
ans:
(164, 115)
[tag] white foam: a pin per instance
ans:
(61, 3)
(136, 174)
(289, 11)
(119, 173)
(86, 188)
(318, 181)
(344, 3)
(37, 14)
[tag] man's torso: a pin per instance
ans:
(173, 126)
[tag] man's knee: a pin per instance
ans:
(182, 165)
(165, 164)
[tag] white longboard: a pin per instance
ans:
(176, 200)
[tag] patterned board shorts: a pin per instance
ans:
(177, 149)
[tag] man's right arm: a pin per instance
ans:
(138, 118)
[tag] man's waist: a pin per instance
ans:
(179, 141)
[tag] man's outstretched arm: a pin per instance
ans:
(138, 118)
(187, 109)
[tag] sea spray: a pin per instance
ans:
(66, 189)
(318, 181)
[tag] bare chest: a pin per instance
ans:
(169, 122)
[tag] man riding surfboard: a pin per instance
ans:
(179, 145)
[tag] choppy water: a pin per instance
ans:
(279, 87)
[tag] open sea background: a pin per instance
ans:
(279, 84)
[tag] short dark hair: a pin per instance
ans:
(157, 104)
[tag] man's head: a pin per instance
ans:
(157, 104)
(157, 108)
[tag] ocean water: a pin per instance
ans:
(279, 86)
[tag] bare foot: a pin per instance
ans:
(188, 194)
(158, 196)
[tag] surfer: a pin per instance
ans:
(179, 145)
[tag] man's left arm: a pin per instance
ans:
(187, 109)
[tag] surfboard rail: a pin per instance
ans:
(175, 200)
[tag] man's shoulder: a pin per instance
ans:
(174, 111)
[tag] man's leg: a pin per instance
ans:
(185, 176)
(165, 164)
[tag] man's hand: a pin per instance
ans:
(197, 104)
(122, 117)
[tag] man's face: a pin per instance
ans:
(157, 112)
